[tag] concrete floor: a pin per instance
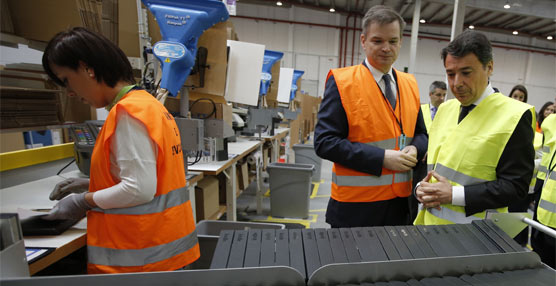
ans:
(246, 203)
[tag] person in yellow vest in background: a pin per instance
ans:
(542, 243)
(480, 150)
(370, 126)
(519, 93)
(139, 217)
(437, 94)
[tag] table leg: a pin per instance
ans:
(259, 192)
(231, 199)
(191, 189)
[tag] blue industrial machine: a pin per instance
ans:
(296, 75)
(270, 57)
(181, 24)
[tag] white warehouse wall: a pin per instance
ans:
(315, 49)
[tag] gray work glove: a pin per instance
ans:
(69, 186)
(73, 206)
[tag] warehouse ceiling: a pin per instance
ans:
(527, 17)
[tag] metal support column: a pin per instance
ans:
(414, 35)
(457, 19)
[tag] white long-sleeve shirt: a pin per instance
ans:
(132, 164)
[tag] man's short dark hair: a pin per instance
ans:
(469, 42)
(69, 48)
(381, 15)
(437, 84)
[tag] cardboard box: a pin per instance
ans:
(206, 198)
(128, 35)
(294, 131)
(273, 88)
(41, 20)
(266, 157)
(231, 31)
(11, 142)
(242, 175)
(222, 187)
(214, 40)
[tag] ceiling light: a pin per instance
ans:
(471, 27)
(422, 21)
(515, 32)
(549, 37)
(507, 5)
(279, 3)
(332, 10)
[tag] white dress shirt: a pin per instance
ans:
(378, 78)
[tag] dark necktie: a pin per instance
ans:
(388, 91)
(464, 111)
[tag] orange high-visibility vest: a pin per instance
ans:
(371, 121)
(156, 236)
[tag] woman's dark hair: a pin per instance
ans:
(69, 48)
(469, 42)
(520, 88)
(540, 118)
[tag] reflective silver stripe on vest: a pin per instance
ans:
(552, 175)
(389, 143)
(361, 181)
(456, 176)
(140, 257)
(546, 149)
(403, 177)
(548, 206)
(407, 140)
(384, 144)
(158, 204)
(451, 215)
(543, 169)
(430, 167)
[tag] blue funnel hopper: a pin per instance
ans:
(270, 57)
(296, 75)
(181, 24)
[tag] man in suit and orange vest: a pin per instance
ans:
(370, 126)
(480, 150)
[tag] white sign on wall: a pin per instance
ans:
(245, 65)
(285, 85)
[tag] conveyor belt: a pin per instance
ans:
(325, 254)
(322, 247)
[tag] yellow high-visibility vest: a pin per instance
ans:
(468, 153)
(546, 211)
(546, 149)
(427, 116)
(537, 144)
